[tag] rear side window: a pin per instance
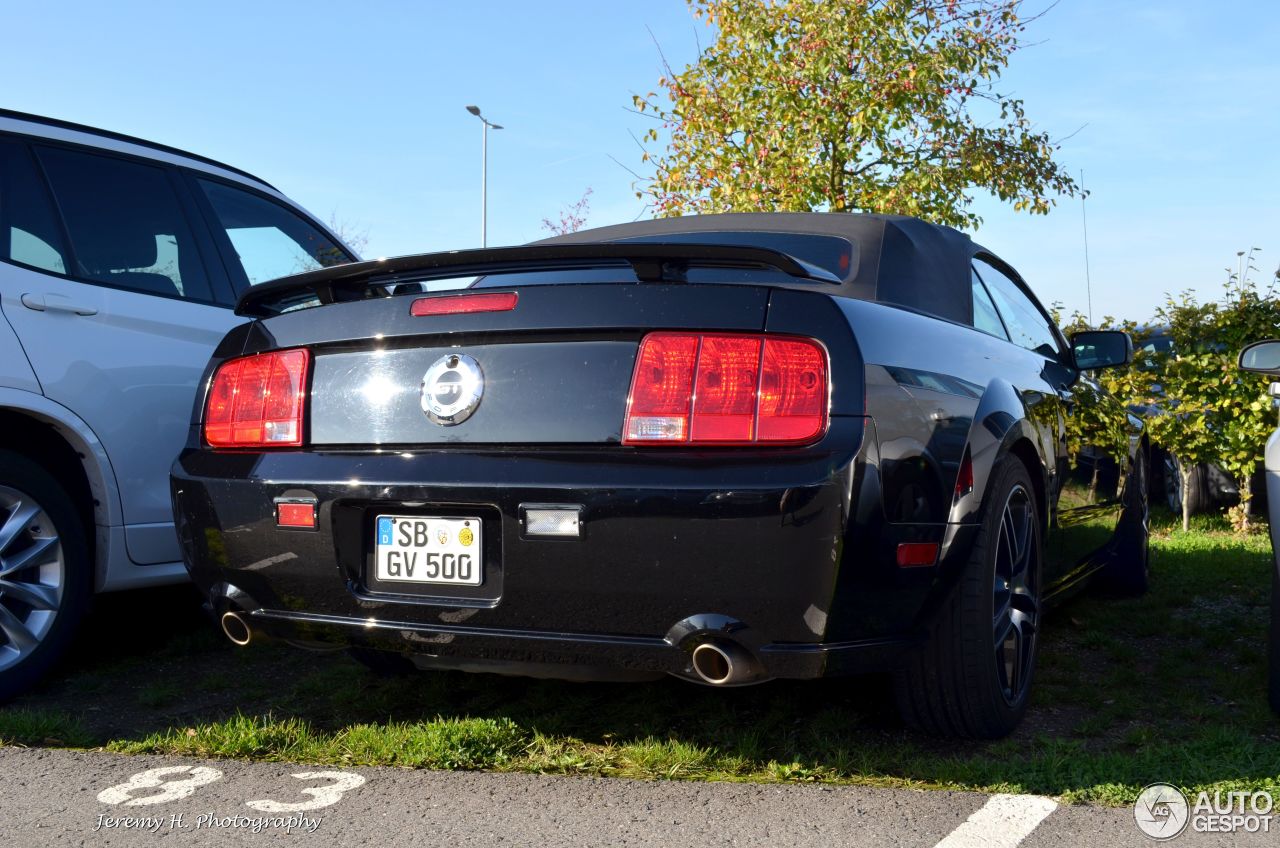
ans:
(270, 240)
(1027, 325)
(126, 224)
(985, 317)
(29, 232)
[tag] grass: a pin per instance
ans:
(160, 693)
(42, 727)
(1168, 687)
(443, 743)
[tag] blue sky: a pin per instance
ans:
(358, 110)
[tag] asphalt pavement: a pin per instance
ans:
(56, 797)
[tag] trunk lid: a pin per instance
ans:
(556, 369)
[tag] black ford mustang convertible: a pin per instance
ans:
(728, 448)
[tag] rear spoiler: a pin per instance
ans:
(651, 262)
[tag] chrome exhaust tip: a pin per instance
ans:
(236, 628)
(723, 663)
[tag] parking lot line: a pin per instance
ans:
(1003, 822)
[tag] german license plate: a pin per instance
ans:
(428, 549)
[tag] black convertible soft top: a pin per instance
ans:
(898, 259)
(894, 259)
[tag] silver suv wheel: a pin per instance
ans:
(33, 575)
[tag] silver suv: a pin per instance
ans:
(1264, 358)
(120, 261)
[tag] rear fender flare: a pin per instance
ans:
(107, 509)
(1000, 424)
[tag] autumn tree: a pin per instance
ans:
(353, 237)
(1245, 314)
(1186, 421)
(572, 217)
(849, 105)
(1211, 412)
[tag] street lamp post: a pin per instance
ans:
(484, 173)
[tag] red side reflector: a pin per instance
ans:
(964, 479)
(258, 401)
(727, 389)
(459, 304)
(296, 515)
(916, 554)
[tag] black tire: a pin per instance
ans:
(1127, 571)
(22, 667)
(382, 663)
(1273, 649)
(958, 684)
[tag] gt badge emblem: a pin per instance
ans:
(452, 388)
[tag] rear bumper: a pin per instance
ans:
(783, 552)
(586, 656)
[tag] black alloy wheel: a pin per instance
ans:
(972, 677)
(1015, 596)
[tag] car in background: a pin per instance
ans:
(1211, 488)
(727, 448)
(1264, 358)
(120, 262)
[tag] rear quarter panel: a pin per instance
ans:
(935, 389)
(932, 388)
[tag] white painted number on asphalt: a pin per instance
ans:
(174, 790)
(197, 776)
(1002, 822)
(321, 796)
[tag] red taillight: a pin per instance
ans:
(661, 389)
(459, 304)
(724, 399)
(793, 391)
(258, 401)
(726, 389)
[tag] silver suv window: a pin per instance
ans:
(270, 240)
(29, 233)
(126, 224)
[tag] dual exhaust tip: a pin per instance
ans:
(724, 663)
(716, 663)
(236, 628)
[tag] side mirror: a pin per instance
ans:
(1261, 357)
(1101, 349)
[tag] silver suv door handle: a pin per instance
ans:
(56, 303)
